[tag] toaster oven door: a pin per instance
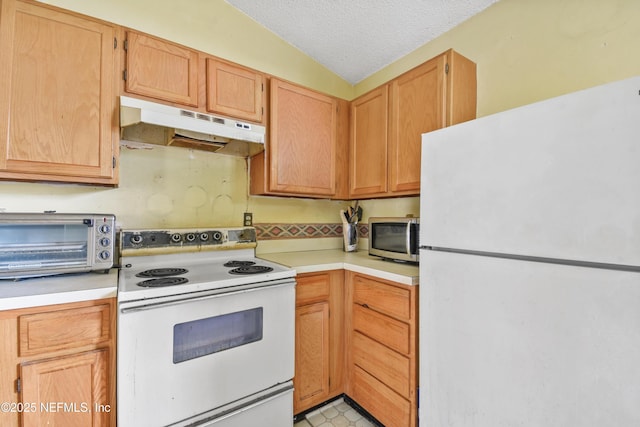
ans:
(41, 248)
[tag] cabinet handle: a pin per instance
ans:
(365, 305)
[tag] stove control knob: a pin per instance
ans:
(104, 229)
(105, 241)
(217, 235)
(136, 239)
(190, 237)
(104, 255)
(204, 236)
(176, 237)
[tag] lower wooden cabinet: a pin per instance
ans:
(319, 358)
(57, 367)
(357, 334)
(382, 348)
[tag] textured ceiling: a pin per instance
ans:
(356, 38)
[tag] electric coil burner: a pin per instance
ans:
(195, 305)
(251, 269)
(236, 263)
(163, 281)
(246, 267)
(162, 272)
(159, 277)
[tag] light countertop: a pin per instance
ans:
(333, 259)
(57, 289)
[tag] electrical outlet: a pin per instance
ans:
(248, 219)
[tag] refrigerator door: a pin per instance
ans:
(555, 179)
(518, 343)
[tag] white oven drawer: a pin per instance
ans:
(274, 411)
(188, 357)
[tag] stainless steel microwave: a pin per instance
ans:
(394, 238)
(42, 244)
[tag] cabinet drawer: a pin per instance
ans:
(312, 288)
(389, 367)
(384, 329)
(387, 406)
(63, 329)
(392, 300)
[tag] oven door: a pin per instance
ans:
(183, 356)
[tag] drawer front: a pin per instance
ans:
(386, 365)
(387, 406)
(63, 329)
(312, 288)
(392, 300)
(384, 329)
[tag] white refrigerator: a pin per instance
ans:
(530, 265)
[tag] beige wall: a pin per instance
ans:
(528, 51)
(525, 50)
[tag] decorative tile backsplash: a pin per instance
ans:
(273, 231)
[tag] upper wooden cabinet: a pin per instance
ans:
(368, 156)
(303, 156)
(172, 73)
(58, 104)
(386, 130)
(234, 91)
(160, 69)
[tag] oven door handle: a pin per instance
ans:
(129, 307)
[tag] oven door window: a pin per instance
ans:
(210, 335)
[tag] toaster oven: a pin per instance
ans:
(42, 244)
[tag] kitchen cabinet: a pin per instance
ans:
(160, 69)
(234, 91)
(319, 348)
(58, 365)
(369, 136)
(305, 155)
(387, 123)
(169, 72)
(382, 336)
(58, 95)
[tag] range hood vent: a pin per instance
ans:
(155, 123)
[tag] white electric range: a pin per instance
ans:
(205, 330)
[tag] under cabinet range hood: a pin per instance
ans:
(154, 123)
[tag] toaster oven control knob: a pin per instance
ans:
(204, 236)
(105, 241)
(104, 255)
(136, 239)
(190, 237)
(104, 229)
(217, 236)
(176, 237)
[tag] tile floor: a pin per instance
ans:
(334, 414)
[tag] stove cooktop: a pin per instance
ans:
(158, 263)
(171, 274)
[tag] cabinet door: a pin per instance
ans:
(302, 141)
(161, 69)
(74, 390)
(57, 95)
(234, 91)
(417, 106)
(369, 144)
(311, 380)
